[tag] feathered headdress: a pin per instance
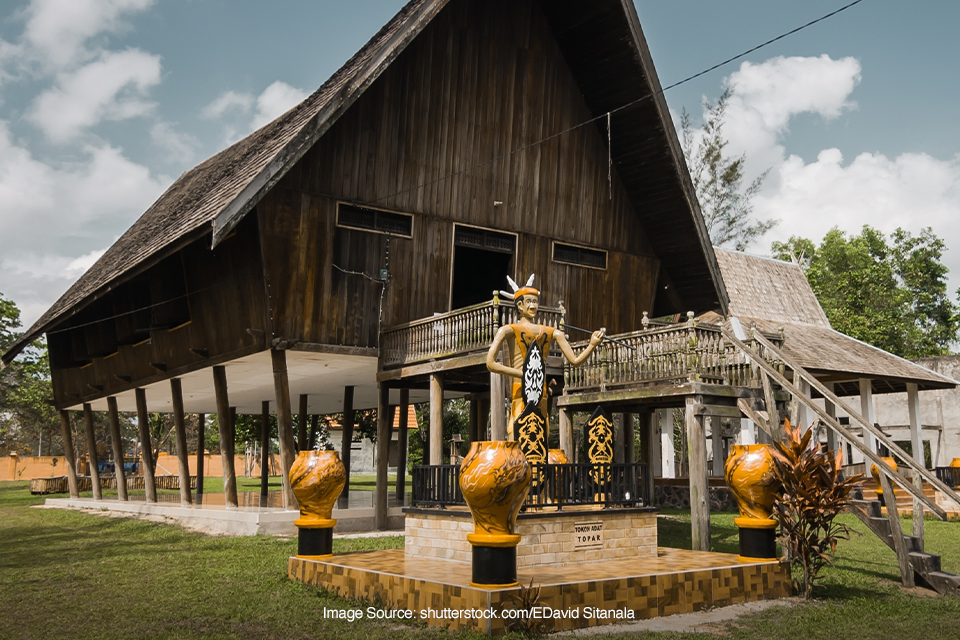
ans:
(518, 292)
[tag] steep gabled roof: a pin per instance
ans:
(605, 48)
(775, 294)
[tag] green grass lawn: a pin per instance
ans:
(69, 575)
(215, 485)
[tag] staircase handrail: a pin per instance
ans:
(831, 422)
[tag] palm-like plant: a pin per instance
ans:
(813, 493)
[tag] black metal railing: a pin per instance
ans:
(949, 476)
(554, 485)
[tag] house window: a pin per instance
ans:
(388, 222)
(580, 256)
(486, 239)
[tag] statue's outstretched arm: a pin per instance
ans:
(492, 364)
(567, 350)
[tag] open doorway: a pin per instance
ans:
(482, 260)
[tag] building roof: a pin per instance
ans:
(775, 294)
(608, 55)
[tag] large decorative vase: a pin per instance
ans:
(494, 481)
(557, 493)
(317, 478)
(749, 474)
(557, 456)
(955, 463)
(876, 476)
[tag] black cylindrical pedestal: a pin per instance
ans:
(494, 566)
(315, 542)
(758, 543)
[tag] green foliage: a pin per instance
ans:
(718, 179)
(813, 493)
(891, 294)
(9, 323)
(456, 420)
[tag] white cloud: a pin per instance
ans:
(54, 215)
(178, 147)
(113, 87)
(57, 30)
(912, 190)
(275, 100)
(225, 102)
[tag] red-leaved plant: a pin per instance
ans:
(812, 493)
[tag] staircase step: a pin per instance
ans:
(943, 582)
(924, 563)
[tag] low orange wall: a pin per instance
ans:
(31, 467)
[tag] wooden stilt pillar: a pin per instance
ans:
(498, 417)
(833, 442)
(201, 452)
(474, 418)
(116, 443)
(226, 437)
(383, 456)
(716, 442)
(650, 450)
(618, 440)
(629, 436)
(668, 464)
(402, 442)
(180, 428)
(302, 425)
(916, 443)
(566, 433)
(68, 455)
(92, 452)
(314, 429)
(436, 419)
(483, 414)
(699, 487)
(868, 412)
(349, 418)
(146, 446)
(281, 385)
(264, 452)
(657, 461)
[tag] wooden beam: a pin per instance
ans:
(436, 419)
(432, 367)
(832, 443)
(716, 444)
(773, 418)
(566, 432)
(916, 444)
(69, 458)
(92, 452)
(346, 442)
(383, 456)
(868, 411)
(402, 443)
(699, 487)
(116, 443)
(281, 386)
(302, 424)
(668, 453)
(180, 428)
(759, 417)
(899, 544)
(201, 449)
(264, 452)
(146, 445)
(629, 436)
(226, 440)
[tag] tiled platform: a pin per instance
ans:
(676, 581)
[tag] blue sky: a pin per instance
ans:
(104, 102)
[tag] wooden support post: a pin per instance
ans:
(668, 450)
(226, 438)
(916, 444)
(657, 461)
(747, 432)
(349, 417)
(833, 443)
(650, 450)
(436, 418)
(498, 417)
(264, 452)
(629, 436)
(314, 429)
(69, 457)
(92, 452)
(699, 486)
(716, 443)
(619, 444)
(383, 455)
(116, 443)
(483, 415)
(867, 411)
(899, 544)
(773, 416)
(201, 453)
(402, 443)
(179, 425)
(474, 418)
(146, 446)
(302, 425)
(281, 385)
(566, 432)
(804, 415)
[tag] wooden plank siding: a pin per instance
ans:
(435, 137)
(229, 277)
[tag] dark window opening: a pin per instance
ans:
(397, 224)
(476, 274)
(580, 256)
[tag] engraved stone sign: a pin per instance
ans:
(587, 535)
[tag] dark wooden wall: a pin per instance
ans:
(225, 296)
(484, 79)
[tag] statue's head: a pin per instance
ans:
(527, 303)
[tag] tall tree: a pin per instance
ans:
(725, 201)
(891, 294)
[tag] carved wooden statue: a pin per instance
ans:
(528, 343)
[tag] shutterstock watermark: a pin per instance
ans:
(533, 613)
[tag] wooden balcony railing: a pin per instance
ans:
(453, 333)
(688, 351)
